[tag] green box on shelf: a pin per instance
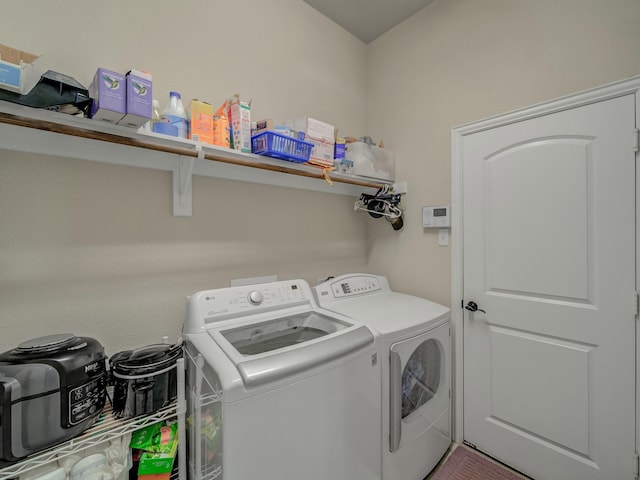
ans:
(159, 443)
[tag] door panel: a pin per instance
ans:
(566, 424)
(549, 254)
(526, 182)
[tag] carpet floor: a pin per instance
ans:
(464, 463)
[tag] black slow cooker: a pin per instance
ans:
(145, 379)
(51, 389)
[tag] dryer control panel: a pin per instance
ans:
(351, 286)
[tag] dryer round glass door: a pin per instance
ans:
(419, 378)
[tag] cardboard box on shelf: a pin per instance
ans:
(108, 90)
(316, 129)
(321, 134)
(322, 150)
(17, 72)
(139, 103)
(200, 121)
(221, 134)
(239, 114)
(264, 125)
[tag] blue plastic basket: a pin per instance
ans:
(272, 144)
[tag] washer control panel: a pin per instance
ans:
(255, 297)
(221, 304)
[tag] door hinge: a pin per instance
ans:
(636, 140)
(636, 465)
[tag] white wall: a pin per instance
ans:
(93, 249)
(457, 61)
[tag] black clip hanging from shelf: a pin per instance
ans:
(385, 204)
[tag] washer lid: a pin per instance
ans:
(49, 343)
(271, 350)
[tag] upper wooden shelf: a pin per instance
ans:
(42, 131)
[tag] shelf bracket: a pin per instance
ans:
(182, 184)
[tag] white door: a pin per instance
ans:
(549, 254)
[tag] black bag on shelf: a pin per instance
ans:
(55, 91)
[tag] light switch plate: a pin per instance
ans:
(443, 237)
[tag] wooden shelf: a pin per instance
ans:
(41, 131)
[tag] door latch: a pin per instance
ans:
(473, 307)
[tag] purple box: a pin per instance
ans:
(139, 99)
(108, 91)
(340, 149)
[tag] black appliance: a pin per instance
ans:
(145, 379)
(51, 389)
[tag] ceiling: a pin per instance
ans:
(368, 19)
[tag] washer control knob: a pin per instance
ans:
(255, 297)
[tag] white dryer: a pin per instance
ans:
(416, 369)
(279, 388)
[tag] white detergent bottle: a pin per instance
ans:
(175, 114)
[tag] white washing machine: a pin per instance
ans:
(416, 369)
(278, 388)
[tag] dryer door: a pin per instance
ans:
(419, 375)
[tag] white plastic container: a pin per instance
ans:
(371, 161)
(175, 114)
(155, 116)
(155, 111)
(88, 467)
